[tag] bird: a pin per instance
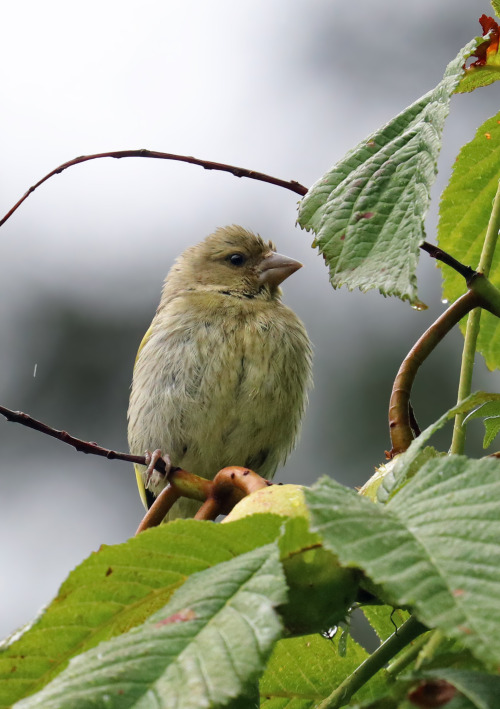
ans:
(222, 374)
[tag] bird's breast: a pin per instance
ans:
(225, 387)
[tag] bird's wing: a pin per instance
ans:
(140, 485)
(143, 342)
(138, 468)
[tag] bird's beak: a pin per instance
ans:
(276, 267)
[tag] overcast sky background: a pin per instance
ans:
(283, 87)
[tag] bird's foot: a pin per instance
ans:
(155, 477)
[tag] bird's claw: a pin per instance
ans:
(153, 476)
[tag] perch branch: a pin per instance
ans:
(230, 485)
(219, 496)
(81, 446)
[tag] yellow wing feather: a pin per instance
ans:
(140, 485)
(143, 342)
(138, 468)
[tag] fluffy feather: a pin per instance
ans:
(221, 376)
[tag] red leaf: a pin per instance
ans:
(488, 48)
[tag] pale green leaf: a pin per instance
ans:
(434, 547)
(367, 212)
(464, 213)
(205, 648)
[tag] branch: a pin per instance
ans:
(404, 635)
(466, 271)
(219, 496)
(81, 446)
(481, 293)
(399, 411)
(292, 185)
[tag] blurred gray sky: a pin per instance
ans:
(284, 87)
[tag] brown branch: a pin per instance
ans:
(229, 486)
(480, 294)
(77, 443)
(159, 509)
(399, 406)
(219, 496)
(292, 185)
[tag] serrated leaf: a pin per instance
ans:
(434, 547)
(481, 689)
(205, 648)
(409, 462)
(117, 588)
(367, 212)
(464, 213)
(303, 671)
(495, 4)
(490, 413)
(486, 69)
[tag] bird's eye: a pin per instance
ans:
(237, 259)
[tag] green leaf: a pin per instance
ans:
(434, 547)
(463, 219)
(490, 413)
(205, 648)
(367, 212)
(303, 671)
(496, 6)
(481, 689)
(117, 588)
(320, 590)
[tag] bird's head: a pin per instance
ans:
(231, 260)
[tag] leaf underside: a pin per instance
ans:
(367, 212)
(433, 547)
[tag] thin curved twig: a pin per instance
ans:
(292, 185)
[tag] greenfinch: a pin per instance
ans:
(222, 374)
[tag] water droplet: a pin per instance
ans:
(330, 633)
(419, 306)
(444, 301)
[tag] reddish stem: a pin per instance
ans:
(159, 509)
(399, 407)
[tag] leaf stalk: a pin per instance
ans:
(341, 696)
(472, 329)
